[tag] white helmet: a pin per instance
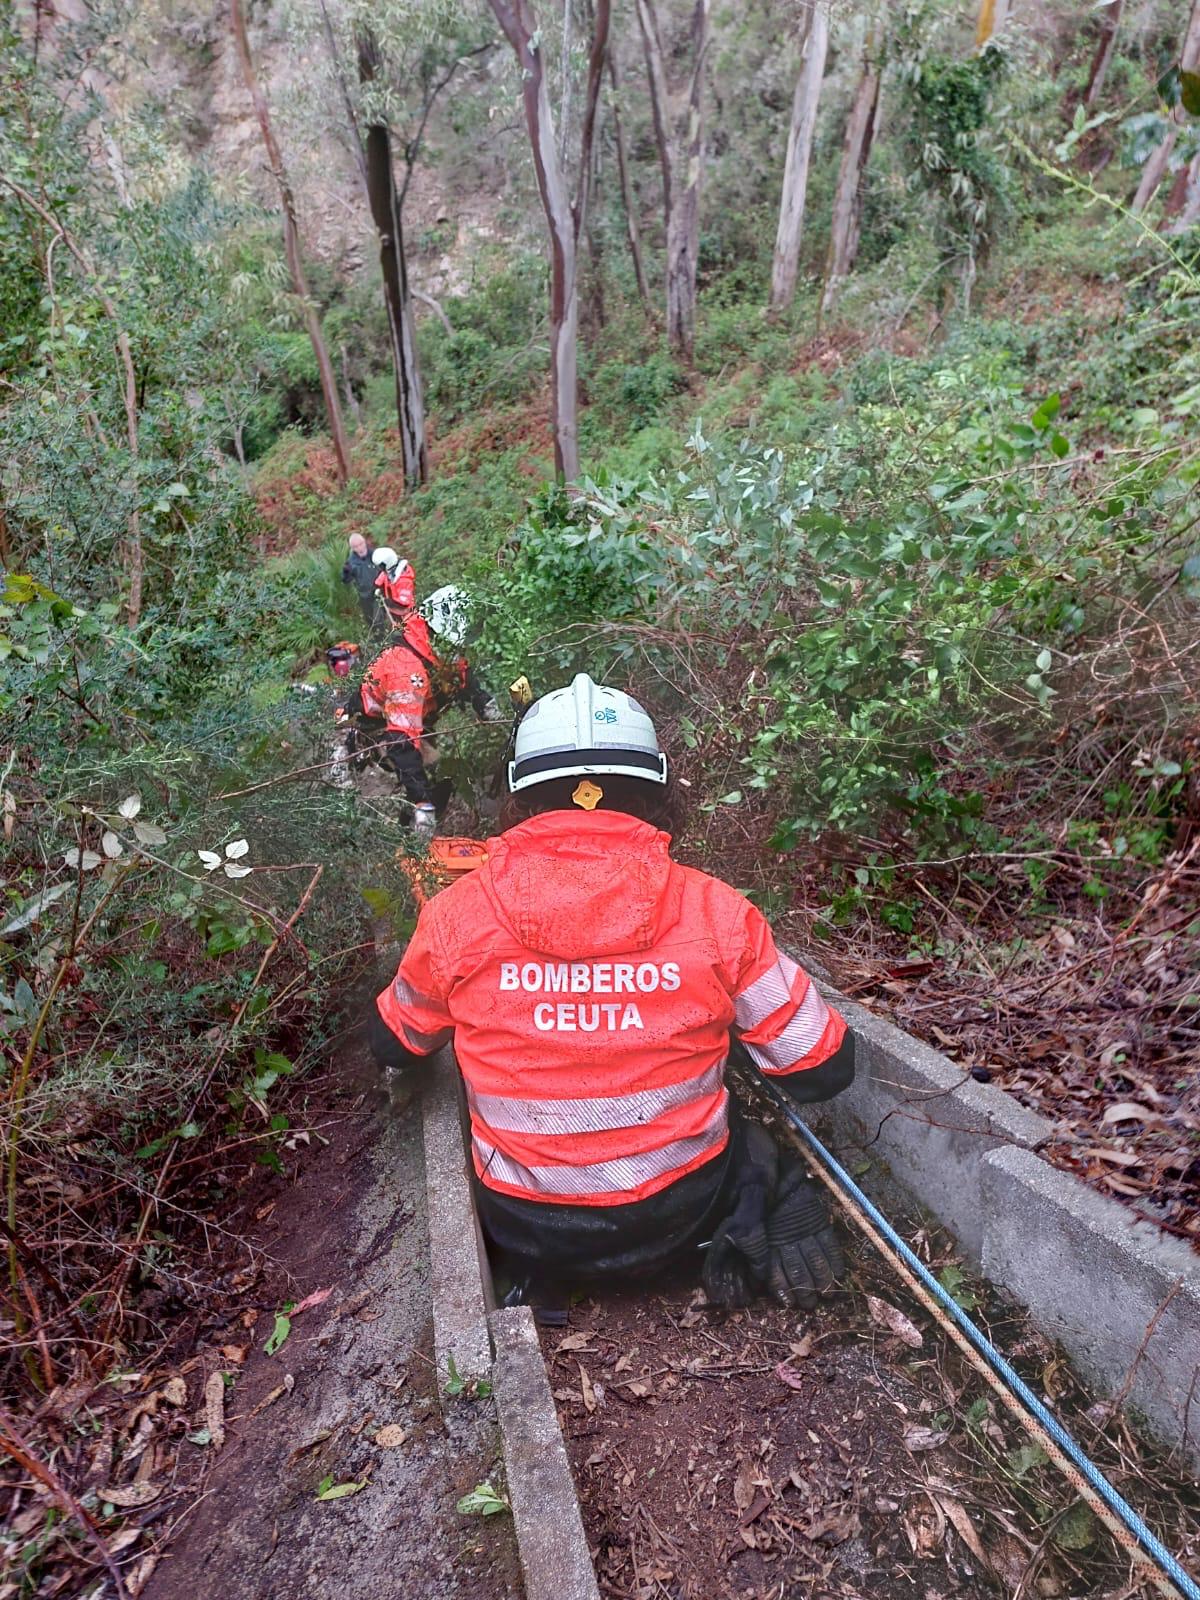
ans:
(384, 556)
(448, 613)
(584, 730)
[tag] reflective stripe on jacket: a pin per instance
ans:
(591, 985)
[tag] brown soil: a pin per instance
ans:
(776, 1455)
(358, 1362)
(702, 1472)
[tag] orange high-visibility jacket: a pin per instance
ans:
(400, 684)
(591, 984)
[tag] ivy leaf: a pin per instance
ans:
(1059, 446)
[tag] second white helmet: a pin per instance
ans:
(582, 731)
(448, 613)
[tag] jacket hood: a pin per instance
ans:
(571, 885)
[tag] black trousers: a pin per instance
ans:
(598, 1243)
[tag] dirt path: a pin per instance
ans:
(844, 1455)
(359, 1362)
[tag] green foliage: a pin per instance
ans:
(951, 150)
(497, 349)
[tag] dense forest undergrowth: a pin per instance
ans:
(905, 561)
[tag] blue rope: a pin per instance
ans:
(1116, 1503)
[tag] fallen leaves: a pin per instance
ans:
(214, 1408)
(918, 1438)
(1130, 1111)
(327, 1489)
(317, 1298)
(894, 1321)
(391, 1436)
(131, 1495)
(279, 1334)
(588, 1390)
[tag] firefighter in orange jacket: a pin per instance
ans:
(593, 989)
(409, 684)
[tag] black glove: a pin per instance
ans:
(735, 1268)
(804, 1258)
(387, 1050)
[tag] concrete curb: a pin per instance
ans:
(553, 1546)
(458, 1277)
(550, 1539)
(1121, 1295)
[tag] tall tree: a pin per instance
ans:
(385, 212)
(564, 217)
(628, 195)
(291, 242)
(993, 14)
(846, 221)
(678, 113)
(815, 47)
(1110, 22)
(1155, 169)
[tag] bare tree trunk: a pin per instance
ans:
(1186, 212)
(518, 22)
(993, 14)
(291, 243)
(385, 211)
(847, 199)
(1154, 171)
(799, 151)
(352, 405)
(1110, 23)
(628, 197)
(679, 133)
(1156, 166)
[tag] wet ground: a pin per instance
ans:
(348, 1399)
(775, 1455)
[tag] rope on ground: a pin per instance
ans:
(1118, 1516)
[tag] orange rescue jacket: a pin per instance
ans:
(408, 682)
(591, 984)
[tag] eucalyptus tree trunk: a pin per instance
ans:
(993, 14)
(291, 243)
(518, 21)
(847, 199)
(679, 133)
(628, 197)
(385, 213)
(799, 151)
(1110, 24)
(1155, 169)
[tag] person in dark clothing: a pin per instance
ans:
(360, 571)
